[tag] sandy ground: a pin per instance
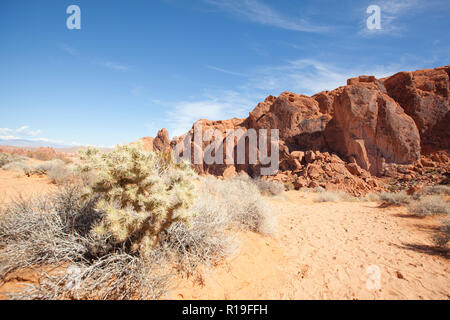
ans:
(331, 251)
(320, 251)
(14, 185)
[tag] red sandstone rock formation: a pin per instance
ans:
(424, 95)
(344, 138)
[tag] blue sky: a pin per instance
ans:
(137, 66)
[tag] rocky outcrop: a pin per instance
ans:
(424, 95)
(371, 127)
(346, 138)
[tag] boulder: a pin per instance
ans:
(424, 95)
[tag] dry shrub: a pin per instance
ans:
(55, 231)
(430, 205)
(443, 235)
(60, 231)
(59, 174)
(436, 190)
(332, 196)
(370, 197)
(206, 241)
(269, 188)
(398, 198)
(17, 166)
(47, 166)
(6, 159)
(241, 201)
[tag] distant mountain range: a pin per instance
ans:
(33, 144)
(24, 143)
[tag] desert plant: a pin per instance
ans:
(332, 196)
(370, 197)
(398, 198)
(289, 185)
(242, 201)
(269, 188)
(17, 166)
(429, 205)
(319, 189)
(55, 231)
(143, 194)
(59, 173)
(437, 190)
(206, 241)
(443, 235)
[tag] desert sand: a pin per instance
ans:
(323, 250)
(320, 251)
(14, 185)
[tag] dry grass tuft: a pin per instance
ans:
(55, 231)
(269, 188)
(443, 235)
(399, 198)
(332, 196)
(430, 205)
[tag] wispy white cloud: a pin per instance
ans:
(98, 62)
(226, 71)
(23, 131)
(302, 76)
(258, 12)
(212, 105)
(113, 66)
(68, 49)
(309, 76)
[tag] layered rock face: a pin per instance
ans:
(371, 127)
(344, 138)
(424, 95)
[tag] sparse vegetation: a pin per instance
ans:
(269, 188)
(395, 198)
(16, 166)
(430, 205)
(109, 241)
(54, 232)
(7, 160)
(142, 195)
(437, 190)
(289, 186)
(443, 235)
(332, 196)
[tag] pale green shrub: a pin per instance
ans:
(143, 194)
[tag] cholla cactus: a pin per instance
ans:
(143, 193)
